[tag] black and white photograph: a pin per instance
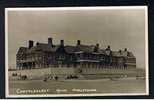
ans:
(76, 51)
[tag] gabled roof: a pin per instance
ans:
(84, 48)
(130, 54)
(116, 54)
(70, 49)
(22, 50)
(43, 47)
(122, 54)
(102, 51)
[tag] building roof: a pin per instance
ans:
(72, 49)
(22, 50)
(87, 61)
(116, 53)
(84, 48)
(43, 47)
(130, 54)
(122, 54)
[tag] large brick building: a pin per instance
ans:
(80, 56)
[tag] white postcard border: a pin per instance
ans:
(76, 8)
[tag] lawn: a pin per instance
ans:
(78, 86)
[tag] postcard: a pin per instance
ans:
(76, 51)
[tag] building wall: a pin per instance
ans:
(41, 59)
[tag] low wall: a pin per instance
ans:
(38, 73)
(128, 72)
(43, 71)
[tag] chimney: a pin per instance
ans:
(30, 44)
(125, 49)
(37, 43)
(78, 42)
(50, 41)
(120, 51)
(97, 45)
(96, 48)
(108, 47)
(125, 52)
(62, 42)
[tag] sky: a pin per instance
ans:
(119, 28)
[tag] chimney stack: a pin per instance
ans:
(108, 47)
(62, 42)
(96, 48)
(120, 51)
(78, 42)
(50, 42)
(97, 45)
(37, 43)
(30, 44)
(125, 49)
(126, 52)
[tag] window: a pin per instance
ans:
(102, 57)
(61, 57)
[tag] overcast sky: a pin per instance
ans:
(119, 28)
